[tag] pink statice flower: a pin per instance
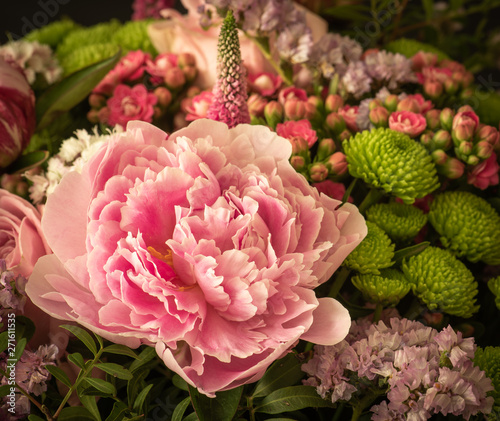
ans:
(392, 69)
(485, 173)
(131, 103)
(12, 290)
(408, 123)
(194, 245)
(297, 129)
(197, 107)
(356, 79)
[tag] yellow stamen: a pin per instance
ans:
(167, 257)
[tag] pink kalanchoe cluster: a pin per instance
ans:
(150, 8)
(229, 103)
(122, 95)
(422, 371)
(294, 130)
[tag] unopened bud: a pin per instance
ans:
(333, 103)
(337, 164)
(185, 59)
(409, 104)
(318, 172)
(391, 102)
(299, 146)
(433, 88)
(295, 109)
(379, 117)
(326, 147)
(256, 104)
(451, 86)
(164, 96)
(489, 134)
(452, 168)
(174, 78)
(190, 72)
(375, 103)
(442, 140)
(336, 123)
(432, 119)
(439, 157)
(483, 149)
(446, 118)
(346, 134)
(298, 163)
(97, 101)
(472, 160)
(273, 112)
(464, 149)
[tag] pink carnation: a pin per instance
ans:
(297, 129)
(197, 107)
(196, 245)
(485, 173)
(407, 122)
(129, 104)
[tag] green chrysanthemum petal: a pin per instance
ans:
(87, 55)
(488, 360)
(134, 36)
(53, 33)
(375, 252)
(392, 161)
(400, 222)
(442, 282)
(468, 225)
(494, 286)
(101, 33)
(387, 289)
(410, 47)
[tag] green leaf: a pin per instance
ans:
(115, 370)
(180, 383)
(77, 359)
(75, 413)
(408, 252)
(120, 350)
(221, 408)
(283, 372)
(59, 374)
(141, 399)
(135, 384)
(90, 403)
(355, 311)
(428, 6)
(27, 161)
(25, 328)
(5, 390)
(70, 91)
(118, 412)
(101, 385)
(180, 409)
(191, 417)
(292, 398)
(33, 417)
(20, 345)
(351, 12)
(144, 357)
(83, 335)
(4, 340)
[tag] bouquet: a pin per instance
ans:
(235, 213)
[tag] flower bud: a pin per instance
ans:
(379, 117)
(326, 147)
(452, 168)
(483, 149)
(489, 134)
(451, 86)
(472, 160)
(186, 59)
(256, 104)
(345, 135)
(335, 122)
(464, 149)
(467, 93)
(174, 78)
(463, 126)
(190, 73)
(164, 96)
(299, 146)
(193, 91)
(423, 59)
(433, 88)
(333, 103)
(409, 104)
(318, 172)
(273, 112)
(446, 118)
(337, 164)
(298, 163)
(442, 140)
(391, 102)
(375, 103)
(97, 101)
(93, 116)
(439, 157)
(295, 109)
(157, 112)
(426, 139)
(432, 118)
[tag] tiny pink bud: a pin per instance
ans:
(164, 96)
(186, 59)
(299, 146)
(333, 103)
(337, 164)
(473, 160)
(157, 112)
(446, 118)
(442, 140)
(483, 149)
(346, 134)
(423, 59)
(97, 101)
(256, 104)
(464, 125)
(433, 88)
(335, 122)
(465, 108)
(174, 78)
(298, 163)
(489, 134)
(426, 139)
(451, 86)
(273, 112)
(452, 169)
(409, 104)
(103, 115)
(432, 118)
(190, 72)
(193, 91)
(379, 117)
(391, 102)
(93, 116)
(465, 148)
(439, 156)
(295, 109)
(375, 103)
(326, 147)
(318, 172)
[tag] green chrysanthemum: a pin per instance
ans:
(494, 286)
(488, 360)
(87, 55)
(134, 36)
(410, 47)
(468, 225)
(387, 289)
(400, 222)
(373, 253)
(442, 282)
(101, 33)
(392, 161)
(53, 33)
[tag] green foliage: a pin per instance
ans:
(410, 47)
(54, 33)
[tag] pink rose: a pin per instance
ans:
(197, 107)
(196, 245)
(17, 112)
(407, 122)
(130, 68)
(129, 104)
(297, 129)
(349, 114)
(265, 84)
(484, 174)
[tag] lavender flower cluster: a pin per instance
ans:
(422, 371)
(12, 290)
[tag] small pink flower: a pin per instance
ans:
(265, 84)
(292, 93)
(407, 122)
(464, 125)
(423, 104)
(297, 129)
(349, 114)
(484, 174)
(423, 59)
(332, 189)
(129, 104)
(436, 74)
(158, 67)
(197, 107)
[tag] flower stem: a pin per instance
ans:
(339, 281)
(373, 196)
(364, 402)
(378, 312)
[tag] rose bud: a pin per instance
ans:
(379, 117)
(17, 112)
(333, 103)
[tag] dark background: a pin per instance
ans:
(18, 17)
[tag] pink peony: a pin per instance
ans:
(207, 245)
(407, 122)
(128, 104)
(485, 173)
(17, 112)
(197, 107)
(297, 129)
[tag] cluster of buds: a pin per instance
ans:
(440, 78)
(141, 87)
